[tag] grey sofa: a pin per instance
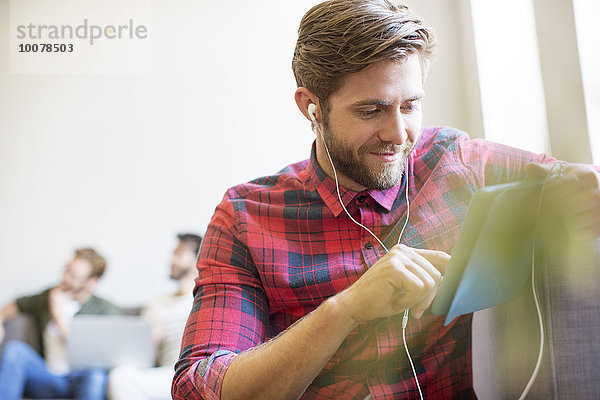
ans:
(20, 328)
(506, 338)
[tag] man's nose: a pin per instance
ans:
(394, 129)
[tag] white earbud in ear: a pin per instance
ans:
(311, 112)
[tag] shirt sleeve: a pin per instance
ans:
(37, 307)
(230, 310)
(493, 163)
(31, 304)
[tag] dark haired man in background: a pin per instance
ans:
(168, 314)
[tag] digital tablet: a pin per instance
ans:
(491, 260)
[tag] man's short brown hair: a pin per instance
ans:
(97, 262)
(341, 37)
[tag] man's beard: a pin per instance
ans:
(179, 273)
(356, 168)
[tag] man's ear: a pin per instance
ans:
(303, 98)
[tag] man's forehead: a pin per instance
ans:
(78, 264)
(385, 81)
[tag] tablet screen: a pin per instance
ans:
(491, 260)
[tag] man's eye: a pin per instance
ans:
(410, 107)
(369, 113)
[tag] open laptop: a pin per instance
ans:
(106, 341)
(491, 260)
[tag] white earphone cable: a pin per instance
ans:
(412, 365)
(406, 312)
(337, 187)
(538, 363)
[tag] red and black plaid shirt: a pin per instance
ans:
(278, 246)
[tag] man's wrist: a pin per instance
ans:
(338, 308)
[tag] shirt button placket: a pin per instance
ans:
(372, 378)
(369, 252)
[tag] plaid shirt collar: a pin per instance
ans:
(318, 180)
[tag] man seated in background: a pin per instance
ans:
(168, 314)
(22, 370)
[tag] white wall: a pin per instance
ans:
(124, 162)
(587, 13)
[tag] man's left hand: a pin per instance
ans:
(574, 194)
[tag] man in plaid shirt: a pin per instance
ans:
(297, 295)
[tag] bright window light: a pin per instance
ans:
(512, 94)
(587, 15)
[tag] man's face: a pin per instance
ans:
(373, 124)
(182, 261)
(76, 275)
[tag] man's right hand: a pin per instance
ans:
(58, 299)
(404, 278)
